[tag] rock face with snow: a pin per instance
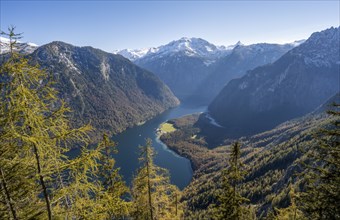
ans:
(134, 54)
(23, 48)
(241, 59)
(294, 85)
(181, 64)
(105, 89)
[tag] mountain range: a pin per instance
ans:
(196, 70)
(182, 64)
(191, 46)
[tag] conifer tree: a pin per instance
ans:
(153, 195)
(292, 212)
(37, 179)
(321, 200)
(230, 199)
(113, 186)
(13, 38)
(17, 169)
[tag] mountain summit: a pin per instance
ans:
(189, 46)
(180, 63)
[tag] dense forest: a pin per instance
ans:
(289, 172)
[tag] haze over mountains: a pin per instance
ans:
(241, 59)
(292, 86)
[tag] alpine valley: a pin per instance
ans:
(271, 98)
(254, 129)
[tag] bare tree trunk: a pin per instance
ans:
(42, 182)
(149, 184)
(7, 195)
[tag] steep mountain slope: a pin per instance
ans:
(183, 64)
(235, 65)
(272, 159)
(294, 85)
(105, 89)
(24, 48)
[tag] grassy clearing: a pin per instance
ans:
(167, 127)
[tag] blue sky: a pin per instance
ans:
(110, 25)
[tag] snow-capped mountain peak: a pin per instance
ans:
(197, 47)
(134, 54)
(25, 48)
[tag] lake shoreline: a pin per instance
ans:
(180, 167)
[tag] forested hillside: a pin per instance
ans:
(103, 89)
(273, 161)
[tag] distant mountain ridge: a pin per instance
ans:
(105, 89)
(190, 46)
(183, 64)
(24, 48)
(292, 86)
(197, 70)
